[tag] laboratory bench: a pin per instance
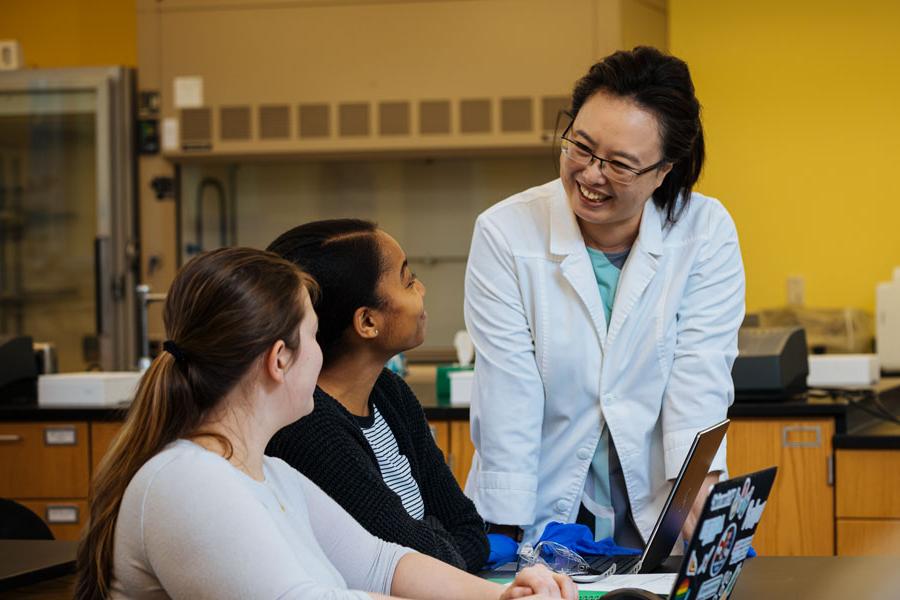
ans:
(45, 571)
(837, 490)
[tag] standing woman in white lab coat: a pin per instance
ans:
(604, 307)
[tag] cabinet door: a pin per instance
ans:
(102, 435)
(461, 451)
(868, 502)
(868, 537)
(44, 460)
(799, 516)
(868, 483)
(65, 517)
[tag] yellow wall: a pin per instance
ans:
(72, 33)
(802, 113)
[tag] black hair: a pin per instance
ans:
(660, 84)
(344, 258)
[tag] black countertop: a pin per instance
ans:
(859, 422)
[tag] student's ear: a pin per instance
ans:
(276, 361)
(365, 323)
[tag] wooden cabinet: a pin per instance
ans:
(453, 439)
(102, 434)
(64, 517)
(45, 466)
(440, 430)
(461, 450)
(868, 502)
(799, 515)
(44, 460)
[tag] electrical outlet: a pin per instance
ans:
(796, 290)
(10, 55)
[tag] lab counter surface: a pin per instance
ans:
(857, 424)
(813, 578)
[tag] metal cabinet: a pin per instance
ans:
(67, 213)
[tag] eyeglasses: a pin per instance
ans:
(614, 170)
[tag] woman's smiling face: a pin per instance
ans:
(617, 129)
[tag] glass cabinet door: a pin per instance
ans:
(66, 213)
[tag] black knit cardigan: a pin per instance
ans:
(329, 447)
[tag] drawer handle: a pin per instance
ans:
(60, 514)
(787, 430)
(10, 438)
(60, 436)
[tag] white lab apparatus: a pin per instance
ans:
(843, 370)
(887, 322)
(461, 381)
(461, 387)
(91, 389)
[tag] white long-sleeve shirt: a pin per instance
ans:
(193, 526)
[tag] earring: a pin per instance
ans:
(376, 332)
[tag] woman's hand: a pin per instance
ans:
(540, 582)
(690, 523)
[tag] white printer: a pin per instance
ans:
(92, 389)
(887, 323)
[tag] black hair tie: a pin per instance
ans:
(173, 349)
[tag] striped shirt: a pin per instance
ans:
(394, 467)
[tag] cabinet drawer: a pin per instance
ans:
(868, 484)
(868, 537)
(44, 460)
(102, 435)
(65, 517)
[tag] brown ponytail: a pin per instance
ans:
(224, 310)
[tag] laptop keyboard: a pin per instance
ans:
(624, 564)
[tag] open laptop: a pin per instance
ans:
(675, 510)
(715, 555)
(720, 543)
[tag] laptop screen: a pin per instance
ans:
(681, 498)
(720, 543)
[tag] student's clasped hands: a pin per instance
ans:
(540, 582)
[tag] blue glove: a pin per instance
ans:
(578, 538)
(504, 549)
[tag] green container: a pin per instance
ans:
(442, 381)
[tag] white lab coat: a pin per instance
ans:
(546, 366)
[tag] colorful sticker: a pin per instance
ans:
(683, 590)
(705, 562)
(745, 497)
(711, 529)
(726, 577)
(709, 588)
(741, 548)
(722, 500)
(754, 514)
(723, 549)
(734, 506)
(730, 586)
(692, 564)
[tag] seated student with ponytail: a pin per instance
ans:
(185, 504)
(367, 443)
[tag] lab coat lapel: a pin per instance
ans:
(639, 269)
(566, 241)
